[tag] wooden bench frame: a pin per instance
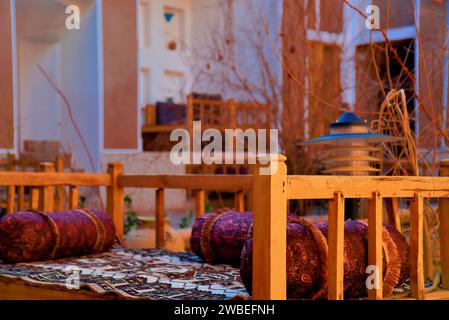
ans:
(43, 185)
(272, 193)
(270, 197)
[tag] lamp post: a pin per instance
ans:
(351, 150)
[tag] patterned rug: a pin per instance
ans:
(154, 274)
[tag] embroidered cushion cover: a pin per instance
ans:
(307, 259)
(38, 236)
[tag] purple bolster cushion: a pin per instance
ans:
(38, 236)
(307, 259)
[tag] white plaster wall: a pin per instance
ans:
(38, 103)
(150, 163)
(79, 82)
(156, 58)
(71, 60)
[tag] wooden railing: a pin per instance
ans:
(239, 184)
(271, 192)
(13, 165)
(217, 114)
(270, 207)
(44, 184)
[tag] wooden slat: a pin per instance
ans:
(444, 230)
(46, 193)
(393, 217)
(336, 246)
(416, 247)
(427, 251)
(34, 198)
(375, 244)
(115, 198)
(200, 203)
(230, 183)
(73, 198)
(60, 194)
(239, 201)
(10, 200)
(21, 198)
(323, 187)
(38, 179)
(270, 231)
(160, 218)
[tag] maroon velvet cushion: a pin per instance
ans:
(307, 259)
(219, 236)
(37, 236)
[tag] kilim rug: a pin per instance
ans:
(154, 274)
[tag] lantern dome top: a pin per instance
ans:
(347, 119)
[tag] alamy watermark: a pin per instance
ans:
(372, 22)
(373, 278)
(251, 147)
(73, 21)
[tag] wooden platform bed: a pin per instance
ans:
(270, 194)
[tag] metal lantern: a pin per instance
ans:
(352, 150)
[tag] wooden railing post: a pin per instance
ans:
(20, 198)
(239, 201)
(336, 221)
(393, 218)
(444, 229)
(46, 194)
(34, 198)
(200, 203)
(11, 190)
(10, 200)
(160, 218)
(115, 198)
(375, 245)
(270, 229)
(416, 247)
(60, 194)
(73, 198)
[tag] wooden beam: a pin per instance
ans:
(160, 218)
(39, 179)
(416, 247)
(46, 193)
(375, 244)
(231, 183)
(270, 231)
(115, 198)
(336, 247)
(324, 187)
(444, 230)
